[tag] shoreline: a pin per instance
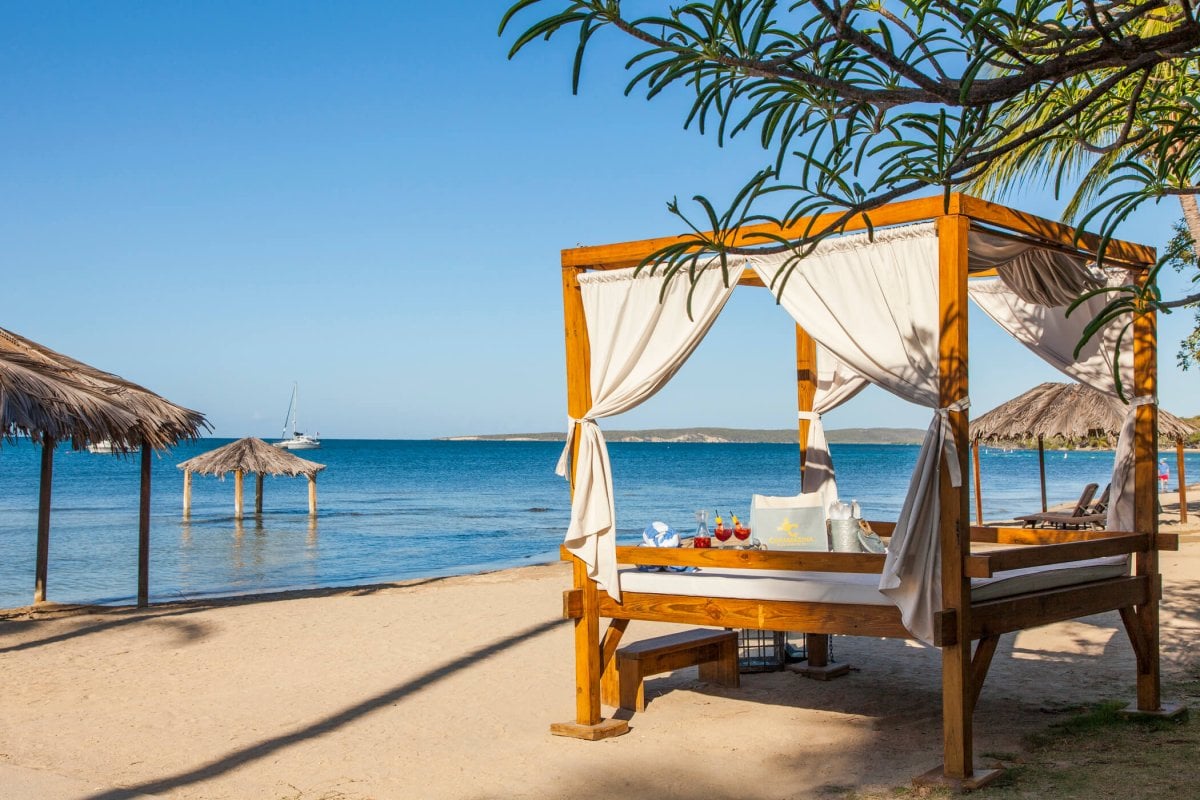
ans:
(52, 610)
(217, 599)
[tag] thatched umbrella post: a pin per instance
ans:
(144, 531)
(1042, 467)
(43, 528)
(978, 489)
(312, 494)
(258, 492)
(1182, 479)
(187, 493)
(238, 475)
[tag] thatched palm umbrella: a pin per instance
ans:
(1068, 411)
(51, 397)
(44, 402)
(157, 422)
(249, 455)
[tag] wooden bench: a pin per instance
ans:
(714, 651)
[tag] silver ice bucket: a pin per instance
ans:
(843, 534)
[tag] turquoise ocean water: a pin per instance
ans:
(391, 510)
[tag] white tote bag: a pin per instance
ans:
(790, 523)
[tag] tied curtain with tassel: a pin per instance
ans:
(874, 304)
(836, 383)
(1052, 335)
(641, 331)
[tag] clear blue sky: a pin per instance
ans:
(217, 199)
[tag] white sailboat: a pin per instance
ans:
(292, 438)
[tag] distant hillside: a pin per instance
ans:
(876, 435)
(721, 435)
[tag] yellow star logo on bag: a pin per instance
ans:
(788, 527)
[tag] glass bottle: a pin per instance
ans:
(702, 539)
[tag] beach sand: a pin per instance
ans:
(446, 689)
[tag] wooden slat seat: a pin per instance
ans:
(715, 652)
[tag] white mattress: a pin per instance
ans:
(855, 588)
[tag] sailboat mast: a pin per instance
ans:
(290, 419)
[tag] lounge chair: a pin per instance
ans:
(1083, 515)
(1097, 514)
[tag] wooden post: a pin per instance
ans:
(978, 486)
(588, 723)
(1145, 504)
(1042, 469)
(258, 492)
(187, 493)
(954, 529)
(143, 593)
(312, 495)
(806, 387)
(1182, 479)
(579, 400)
(43, 527)
(237, 493)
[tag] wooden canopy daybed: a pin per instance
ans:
(970, 621)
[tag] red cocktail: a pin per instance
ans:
(741, 532)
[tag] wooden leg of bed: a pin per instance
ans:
(956, 710)
(816, 665)
(962, 680)
(1149, 684)
(1142, 626)
(588, 722)
(973, 778)
(587, 656)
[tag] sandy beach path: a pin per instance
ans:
(446, 688)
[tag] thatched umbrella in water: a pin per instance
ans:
(1068, 411)
(51, 398)
(249, 455)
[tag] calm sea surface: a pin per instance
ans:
(391, 510)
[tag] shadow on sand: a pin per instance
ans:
(331, 722)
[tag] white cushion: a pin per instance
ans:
(857, 588)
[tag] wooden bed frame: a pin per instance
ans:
(961, 622)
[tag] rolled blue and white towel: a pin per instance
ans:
(660, 534)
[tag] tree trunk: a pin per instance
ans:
(1191, 215)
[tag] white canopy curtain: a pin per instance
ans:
(836, 383)
(1052, 335)
(874, 305)
(640, 332)
(1035, 274)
